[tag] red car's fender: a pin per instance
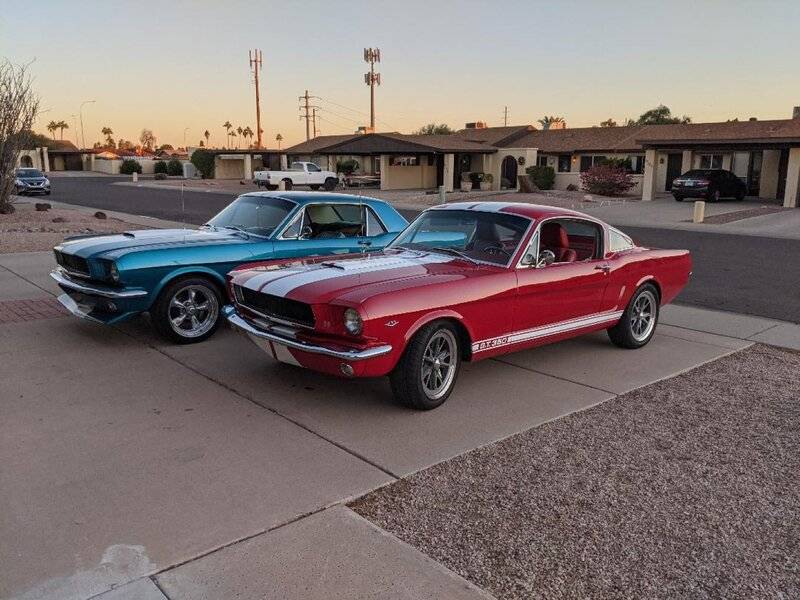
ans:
(433, 316)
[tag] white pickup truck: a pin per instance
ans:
(299, 173)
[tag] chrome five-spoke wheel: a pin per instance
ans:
(193, 311)
(643, 315)
(438, 364)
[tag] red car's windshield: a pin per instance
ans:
(481, 236)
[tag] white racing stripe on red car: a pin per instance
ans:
(515, 337)
(283, 283)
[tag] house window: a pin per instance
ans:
(541, 161)
(637, 164)
(586, 163)
(376, 165)
(711, 161)
(564, 163)
(404, 161)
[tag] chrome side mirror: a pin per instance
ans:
(546, 257)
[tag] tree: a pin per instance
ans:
(203, 160)
(227, 125)
(19, 106)
(147, 139)
(548, 121)
(61, 126)
(608, 123)
(207, 135)
(239, 130)
(51, 127)
(279, 139)
(232, 135)
(248, 133)
(108, 132)
(661, 115)
(434, 129)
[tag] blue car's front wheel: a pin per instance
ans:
(187, 310)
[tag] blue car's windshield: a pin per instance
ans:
(253, 214)
(27, 173)
(484, 236)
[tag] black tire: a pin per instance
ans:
(47, 193)
(271, 188)
(714, 196)
(623, 334)
(677, 198)
(330, 184)
(163, 311)
(407, 378)
(314, 187)
(287, 184)
(740, 195)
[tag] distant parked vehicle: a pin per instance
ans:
(31, 181)
(711, 184)
(300, 173)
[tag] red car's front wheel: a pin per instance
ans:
(426, 374)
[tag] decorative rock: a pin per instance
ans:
(59, 220)
(42, 206)
(100, 215)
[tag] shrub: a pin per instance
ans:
(488, 178)
(619, 163)
(606, 180)
(130, 166)
(160, 175)
(203, 160)
(174, 167)
(572, 187)
(160, 167)
(347, 166)
(543, 177)
(476, 177)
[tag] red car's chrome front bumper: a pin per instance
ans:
(322, 356)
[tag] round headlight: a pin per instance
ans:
(113, 272)
(352, 321)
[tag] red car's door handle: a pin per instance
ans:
(603, 268)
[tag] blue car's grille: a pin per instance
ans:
(274, 306)
(72, 263)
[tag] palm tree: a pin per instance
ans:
(108, 132)
(51, 127)
(239, 131)
(548, 122)
(62, 125)
(233, 135)
(279, 139)
(227, 125)
(248, 133)
(206, 135)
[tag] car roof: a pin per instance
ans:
(531, 211)
(310, 197)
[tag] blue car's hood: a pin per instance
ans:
(115, 245)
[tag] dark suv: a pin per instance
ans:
(711, 184)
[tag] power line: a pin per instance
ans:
(361, 112)
(307, 107)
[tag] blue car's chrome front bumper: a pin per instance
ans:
(98, 303)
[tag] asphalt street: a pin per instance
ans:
(745, 274)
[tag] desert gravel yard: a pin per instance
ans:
(687, 488)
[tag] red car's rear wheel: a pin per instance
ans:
(638, 322)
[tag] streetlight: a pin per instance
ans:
(184, 137)
(80, 111)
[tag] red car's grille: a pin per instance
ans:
(274, 306)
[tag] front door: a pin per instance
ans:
(674, 163)
(783, 170)
(508, 171)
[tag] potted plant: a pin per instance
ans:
(466, 182)
(487, 181)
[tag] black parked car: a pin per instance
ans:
(711, 184)
(31, 181)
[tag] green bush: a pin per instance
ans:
(160, 175)
(130, 166)
(203, 160)
(347, 166)
(160, 167)
(607, 180)
(543, 177)
(174, 167)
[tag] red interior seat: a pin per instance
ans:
(554, 238)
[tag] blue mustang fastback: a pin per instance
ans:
(178, 275)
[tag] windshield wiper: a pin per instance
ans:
(456, 253)
(238, 229)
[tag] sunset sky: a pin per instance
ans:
(171, 65)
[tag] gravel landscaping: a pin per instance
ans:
(687, 488)
(29, 230)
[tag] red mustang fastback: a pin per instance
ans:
(464, 281)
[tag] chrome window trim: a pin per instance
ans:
(362, 205)
(625, 236)
(600, 224)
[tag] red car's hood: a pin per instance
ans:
(357, 278)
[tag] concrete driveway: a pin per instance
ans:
(132, 468)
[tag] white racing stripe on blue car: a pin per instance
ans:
(515, 337)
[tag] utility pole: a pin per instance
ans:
(305, 107)
(314, 120)
(505, 116)
(371, 56)
(255, 64)
(80, 112)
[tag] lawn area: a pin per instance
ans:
(686, 488)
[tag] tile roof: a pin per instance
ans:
(730, 131)
(323, 141)
(495, 136)
(592, 139)
(388, 143)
